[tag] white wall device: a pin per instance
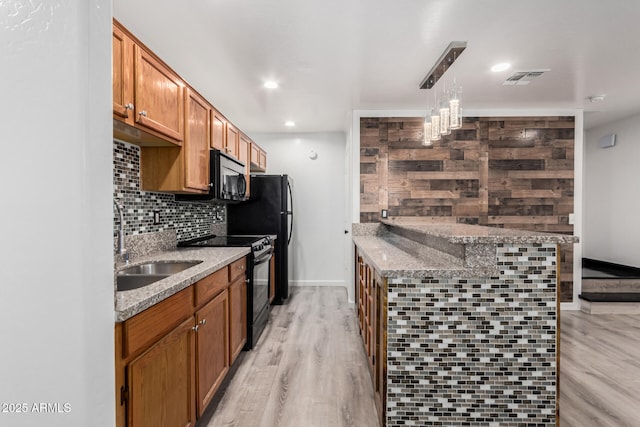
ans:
(608, 140)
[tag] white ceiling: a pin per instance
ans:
(334, 56)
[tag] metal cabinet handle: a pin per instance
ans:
(129, 106)
(143, 113)
(203, 322)
(195, 328)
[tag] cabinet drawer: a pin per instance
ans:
(147, 327)
(237, 268)
(211, 285)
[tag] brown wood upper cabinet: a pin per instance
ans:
(122, 76)
(196, 144)
(181, 169)
(258, 158)
(147, 94)
(218, 131)
(233, 140)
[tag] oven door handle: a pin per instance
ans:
(263, 258)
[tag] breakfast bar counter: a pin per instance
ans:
(460, 322)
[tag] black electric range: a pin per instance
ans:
(256, 242)
(258, 276)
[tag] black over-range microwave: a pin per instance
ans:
(227, 183)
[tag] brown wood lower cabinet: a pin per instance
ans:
(212, 344)
(172, 358)
(161, 381)
(371, 297)
(238, 316)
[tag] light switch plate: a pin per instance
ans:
(385, 213)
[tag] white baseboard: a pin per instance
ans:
(570, 305)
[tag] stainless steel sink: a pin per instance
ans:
(159, 268)
(137, 276)
(135, 281)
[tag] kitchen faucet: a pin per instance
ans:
(121, 248)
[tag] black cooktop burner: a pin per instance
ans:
(220, 241)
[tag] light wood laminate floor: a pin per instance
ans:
(599, 370)
(309, 369)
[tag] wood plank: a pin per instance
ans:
(444, 175)
(543, 174)
(524, 194)
(419, 154)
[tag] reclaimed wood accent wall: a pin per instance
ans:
(511, 172)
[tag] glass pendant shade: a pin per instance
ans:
(427, 132)
(455, 109)
(435, 126)
(445, 128)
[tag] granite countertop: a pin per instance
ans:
(414, 250)
(392, 261)
(465, 233)
(130, 303)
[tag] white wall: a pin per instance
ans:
(317, 244)
(612, 194)
(56, 280)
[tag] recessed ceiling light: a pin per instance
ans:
(270, 84)
(289, 123)
(500, 67)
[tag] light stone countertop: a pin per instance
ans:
(416, 250)
(392, 261)
(130, 303)
(465, 233)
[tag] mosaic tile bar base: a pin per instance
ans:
(187, 219)
(475, 351)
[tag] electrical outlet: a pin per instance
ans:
(156, 217)
(385, 213)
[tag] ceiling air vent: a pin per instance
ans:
(520, 78)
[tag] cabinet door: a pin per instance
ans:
(218, 131)
(161, 382)
(263, 161)
(233, 140)
(196, 142)
(122, 72)
(158, 96)
(238, 316)
(212, 347)
(254, 157)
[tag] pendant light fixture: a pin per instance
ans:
(446, 113)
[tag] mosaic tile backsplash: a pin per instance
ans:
(475, 352)
(187, 219)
